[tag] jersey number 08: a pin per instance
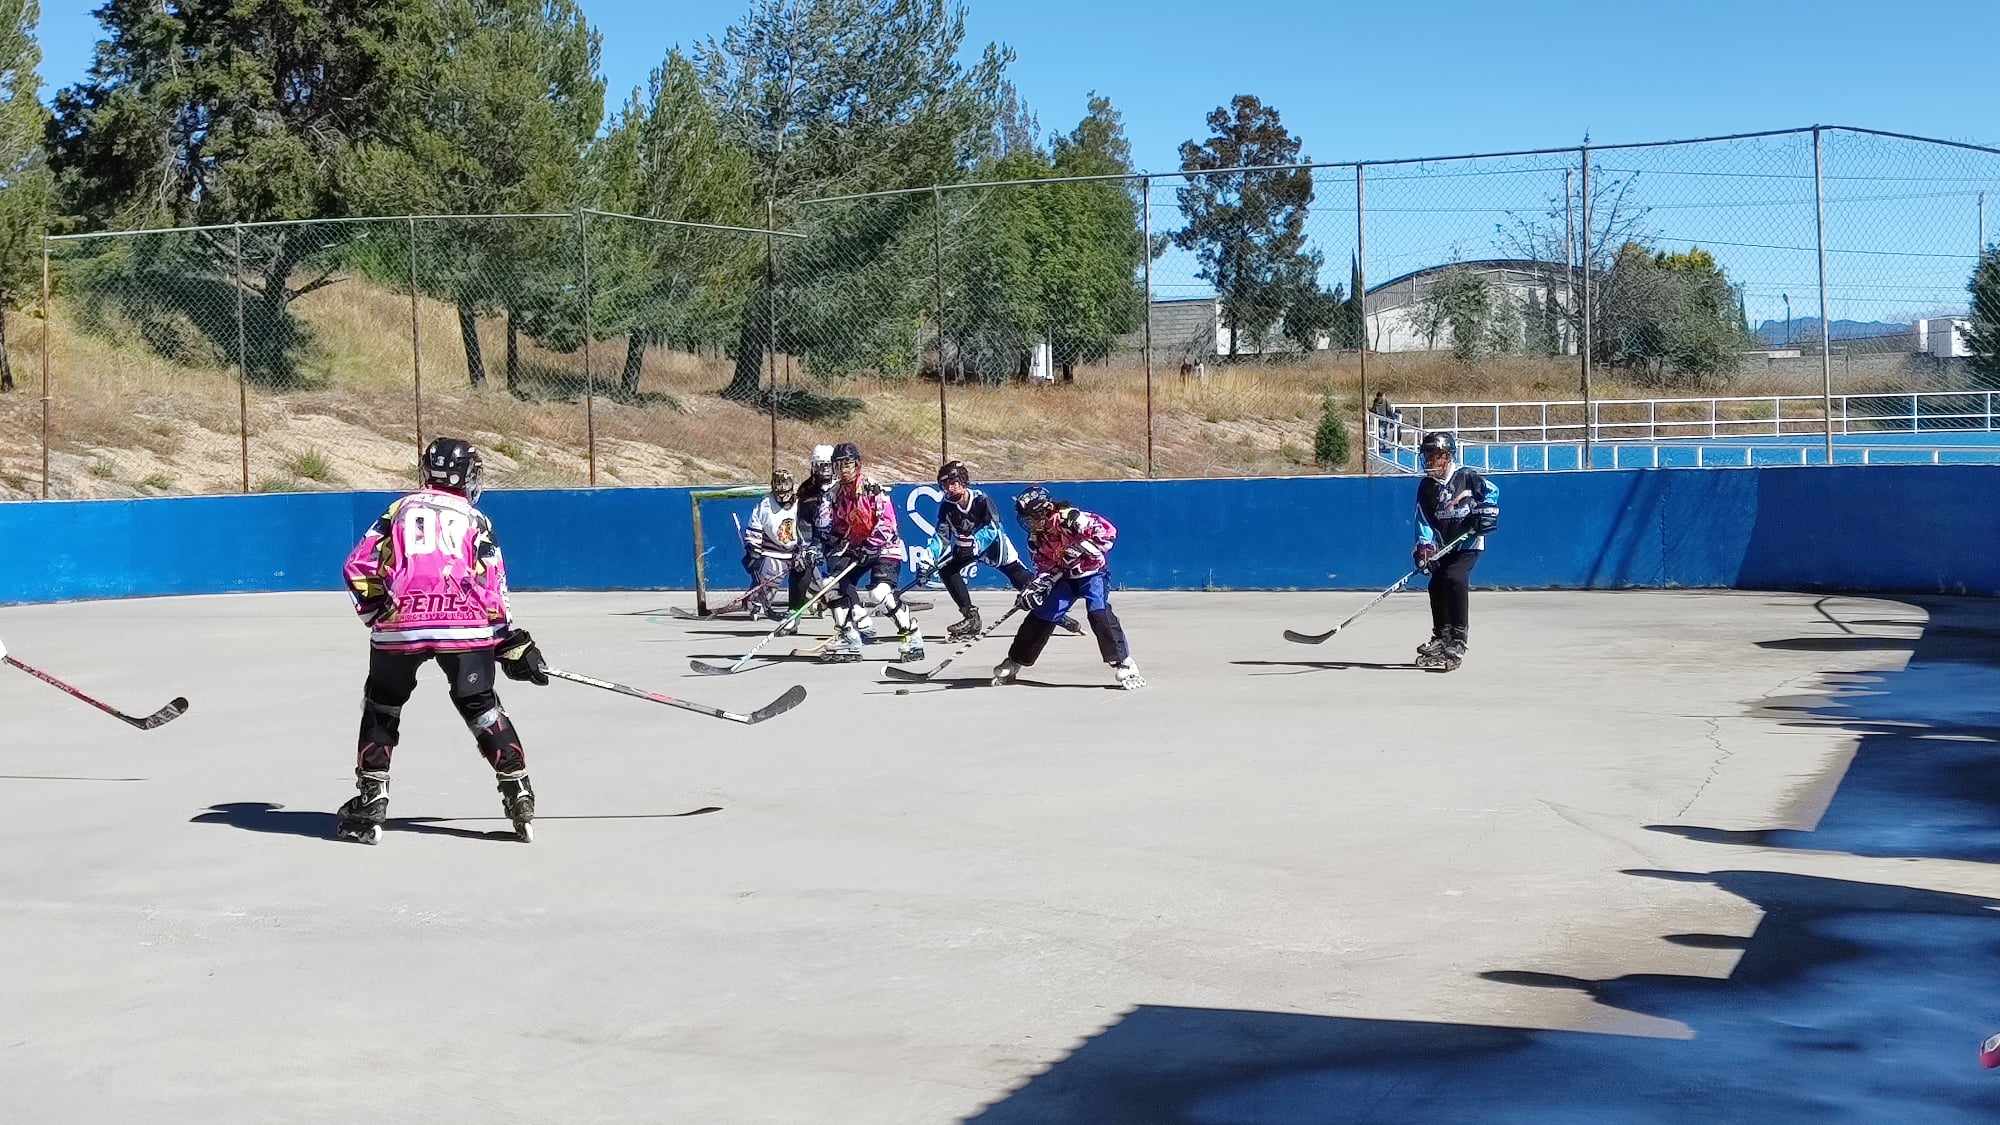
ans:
(427, 529)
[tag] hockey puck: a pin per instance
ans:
(906, 691)
(1989, 1053)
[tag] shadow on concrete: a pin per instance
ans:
(1301, 667)
(1925, 778)
(262, 816)
(61, 777)
(1848, 1002)
(1851, 1002)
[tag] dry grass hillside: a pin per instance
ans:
(125, 422)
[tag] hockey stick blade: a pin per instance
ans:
(1297, 637)
(900, 673)
(780, 705)
(792, 698)
(160, 718)
(791, 618)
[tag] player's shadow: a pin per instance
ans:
(1301, 667)
(263, 816)
(749, 632)
(961, 682)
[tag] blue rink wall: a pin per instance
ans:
(1903, 529)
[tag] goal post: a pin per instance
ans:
(695, 499)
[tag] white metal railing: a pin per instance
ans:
(1657, 419)
(1395, 449)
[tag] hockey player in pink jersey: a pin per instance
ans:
(1069, 546)
(429, 581)
(863, 532)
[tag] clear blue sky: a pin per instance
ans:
(1372, 80)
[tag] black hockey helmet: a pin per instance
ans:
(1032, 504)
(453, 465)
(783, 486)
(953, 471)
(846, 451)
(1440, 441)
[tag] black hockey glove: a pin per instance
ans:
(1072, 559)
(809, 557)
(1486, 519)
(1423, 555)
(1036, 592)
(520, 659)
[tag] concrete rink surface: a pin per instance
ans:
(1650, 856)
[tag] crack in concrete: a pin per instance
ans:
(1723, 754)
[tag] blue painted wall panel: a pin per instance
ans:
(1904, 529)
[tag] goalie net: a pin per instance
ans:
(731, 575)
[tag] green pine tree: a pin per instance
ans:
(25, 184)
(1330, 439)
(503, 103)
(1983, 338)
(214, 113)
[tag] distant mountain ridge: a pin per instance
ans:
(1772, 332)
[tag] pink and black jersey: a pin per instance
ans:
(865, 519)
(428, 576)
(1089, 534)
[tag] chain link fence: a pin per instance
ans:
(1210, 322)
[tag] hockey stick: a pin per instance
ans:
(742, 662)
(778, 706)
(685, 614)
(900, 673)
(1321, 638)
(160, 718)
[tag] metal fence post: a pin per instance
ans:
(416, 351)
(48, 330)
(1146, 233)
(1584, 345)
(589, 377)
(242, 375)
(1825, 351)
(937, 280)
(1369, 440)
(771, 317)
(1569, 261)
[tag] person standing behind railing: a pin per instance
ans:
(1385, 429)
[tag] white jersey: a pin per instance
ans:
(774, 529)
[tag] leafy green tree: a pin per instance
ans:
(1247, 229)
(25, 184)
(502, 105)
(832, 97)
(1983, 339)
(666, 157)
(1314, 315)
(1056, 263)
(1091, 246)
(1672, 318)
(211, 113)
(1471, 312)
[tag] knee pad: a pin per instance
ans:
(883, 596)
(380, 723)
(480, 710)
(495, 735)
